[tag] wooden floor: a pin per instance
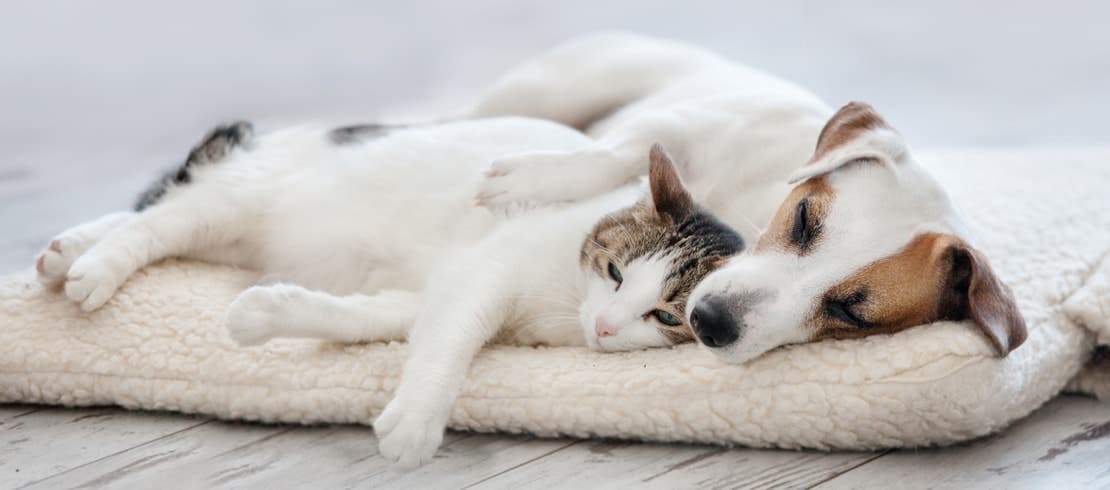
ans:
(100, 102)
(1064, 445)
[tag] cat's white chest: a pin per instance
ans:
(548, 317)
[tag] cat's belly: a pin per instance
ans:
(350, 242)
(352, 264)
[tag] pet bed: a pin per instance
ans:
(1043, 219)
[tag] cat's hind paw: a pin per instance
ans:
(91, 282)
(54, 262)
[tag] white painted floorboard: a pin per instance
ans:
(1064, 445)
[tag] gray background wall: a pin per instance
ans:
(97, 95)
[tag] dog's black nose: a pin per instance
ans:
(713, 323)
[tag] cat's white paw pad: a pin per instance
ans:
(252, 316)
(91, 282)
(409, 434)
(54, 262)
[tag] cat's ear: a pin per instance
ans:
(668, 194)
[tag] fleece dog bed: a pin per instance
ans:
(1043, 219)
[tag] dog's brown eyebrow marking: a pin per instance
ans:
(819, 196)
(846, 125)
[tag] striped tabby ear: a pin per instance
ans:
(667, 192)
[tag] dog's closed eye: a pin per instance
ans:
(805, 228)
(846, 309)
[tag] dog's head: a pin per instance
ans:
(865, 243)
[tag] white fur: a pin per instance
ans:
(379, 240)
(934, 385)
(739, 137)
(737, 134)
(623, 308)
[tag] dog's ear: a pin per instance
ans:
(856, 133)
(668, 195)
(973, 292)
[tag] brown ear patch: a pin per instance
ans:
(988, 302)
(934, 277)
(847, 124)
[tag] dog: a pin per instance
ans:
(852, 237)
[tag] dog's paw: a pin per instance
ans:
(253, 316)
(410, 433)
(91, 282)
(54, 262)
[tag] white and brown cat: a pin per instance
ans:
(370, 233)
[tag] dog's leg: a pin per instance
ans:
(464, 308)
(262, 313)
(585, 79)
(54, 262)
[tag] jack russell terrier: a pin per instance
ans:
(852, 237)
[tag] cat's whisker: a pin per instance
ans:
(758, 230)
(604, 251)
(573, 302)
(553, 319)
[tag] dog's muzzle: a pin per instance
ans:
(714, 323)
(718, 321)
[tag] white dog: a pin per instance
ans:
(852, 237)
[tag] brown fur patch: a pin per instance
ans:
(667, 192)
(847, 124)
(989, 302)
(935, 277)
(819, 196)
(894, 293)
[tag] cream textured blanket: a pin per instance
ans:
(1042, 217)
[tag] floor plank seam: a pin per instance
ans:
(521, 464)
(24, 414)
(102, 458)
(709, 453)
(850, 469)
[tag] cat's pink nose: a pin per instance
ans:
(603, 328)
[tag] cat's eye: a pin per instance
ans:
(844, 310)
(615, 274)
(804, 229)
(666, 318)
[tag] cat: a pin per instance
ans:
(369, 233)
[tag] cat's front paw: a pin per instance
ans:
(91, 282)
(409, 434)
(534, 179)
(253, 316)
(54, 262)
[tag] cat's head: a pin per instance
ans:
(643, 261)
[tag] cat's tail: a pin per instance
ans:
(214, 148)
